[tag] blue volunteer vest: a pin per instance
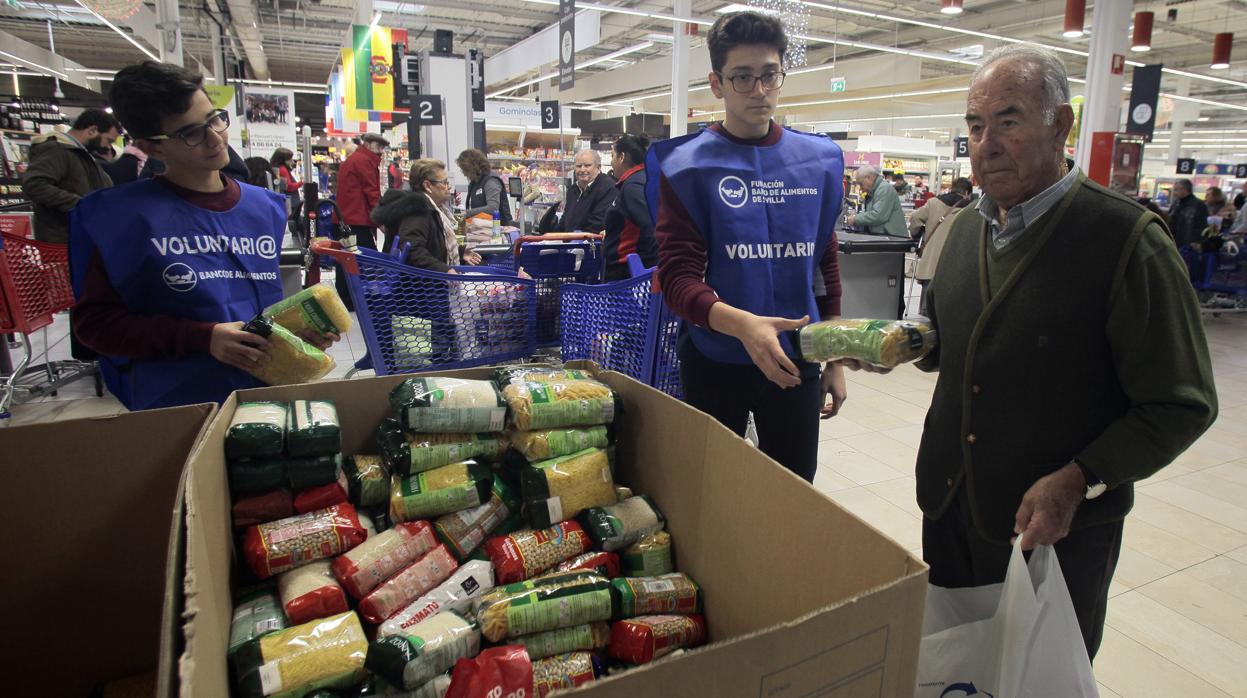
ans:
(165, 256)
(766, 213)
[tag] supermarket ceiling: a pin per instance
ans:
(298, 41)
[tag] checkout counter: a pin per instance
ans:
(872, 274)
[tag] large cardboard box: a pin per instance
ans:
(93, 516)
(802, 598)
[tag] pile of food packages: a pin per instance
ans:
(484, 548)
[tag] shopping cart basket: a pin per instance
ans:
(553, 260)
(414, 319)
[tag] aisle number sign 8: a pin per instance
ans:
(427, 110)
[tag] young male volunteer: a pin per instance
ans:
(745, 213)
(166, 270)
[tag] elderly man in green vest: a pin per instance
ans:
(1072, 359)
(883, 215)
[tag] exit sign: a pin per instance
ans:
(837, 84)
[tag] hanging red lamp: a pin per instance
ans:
(1075, 16)
(1141, 37)
(1221, 50)
(951, 7)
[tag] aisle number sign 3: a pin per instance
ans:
(550, 114)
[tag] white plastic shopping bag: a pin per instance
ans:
(1012, 640)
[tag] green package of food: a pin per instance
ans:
(567, 403)
(588, 637)
(884, 343)
(313, 471)
(620, 525)
(559, 489)
(325, 653)
(648, 557)
(317, 308)
(537, 373)
(407, 453)
(424, 651)
(313, 429)
(251, 476)
(257, 613)
(668, 593)
(443, 490)
(367, 480)
(465, 531)
(560, 600)
(449, 405)
(258, 430)
(290, 359)
(552, 443)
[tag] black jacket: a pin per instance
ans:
(583, 212)
(412, 217)
(477, 201)
(629, 228)
(60, 173)
(1187, 220)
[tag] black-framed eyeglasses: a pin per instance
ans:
(744, 83)
(445, 182)
(195, 134)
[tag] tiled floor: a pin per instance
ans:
(1177, 620)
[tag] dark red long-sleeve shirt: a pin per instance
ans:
(102, 321)
(682, 254)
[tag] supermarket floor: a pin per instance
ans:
(1177, 620)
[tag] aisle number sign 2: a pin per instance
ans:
(427, 110)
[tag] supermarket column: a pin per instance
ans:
(1102, 110)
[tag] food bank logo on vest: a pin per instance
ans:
(263, 246)
(180, 277)
(733, 191)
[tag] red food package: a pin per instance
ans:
(418, 579)
(274, 547)
(564, 671)
(262, 508)
(642, 640)
(526, 554)
(500, 672)
(605, 564)
(310, 592)
(314, 498)
(379, 557)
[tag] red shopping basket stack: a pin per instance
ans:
(34, 283)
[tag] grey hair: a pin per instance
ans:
(866, 171)
(597, 157)
(1050, 67)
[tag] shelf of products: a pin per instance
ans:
(15, 154)
(541, 159)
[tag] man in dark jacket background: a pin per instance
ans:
(584, 208)
(63, 170)
(1188, 216)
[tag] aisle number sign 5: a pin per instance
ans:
(427, 110)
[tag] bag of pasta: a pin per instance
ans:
(367, 480)
(568, 403)
(559, 489)
(290, 359)
(552, 443)
(449, 405)
(422, 652)
(537, 373)
(605, 564)
(408, 453)
(313, 429)
(273, 548)
(465, 531)
(443, 490)
(556, 601)
(883, 343)
(318, 308)
(589, 637)
(290, 663)
(526, 554)
(618, 526)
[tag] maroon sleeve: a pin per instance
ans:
(103, 323)
(829, 304)
(682, 260)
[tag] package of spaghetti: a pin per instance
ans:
(407, 453)
(313, 471)
(257, 613)
(648, 557)
(440, 491)
(274, 547)
(605, 564)
(458, 593)
(549, 603)
(424, 651)
(564, 671)
(560, 488)
(619, 525)
(291, 663)
(589, 637)
(552, 443)
(313, 429)
(567, 403)
(318, 308)
(465, 531)
(449, 405)
(367, 480)
(257, 430)
(321, 497)
(537, 373)
(310, 592)
(526, 554)
(409, 584)
(252, 476)
(377, 559)
(262, 508)
(642, 640)
(643, 596)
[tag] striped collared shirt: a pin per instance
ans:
(1021, 216)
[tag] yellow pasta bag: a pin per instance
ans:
(291, 360)
(568, 403)
(325, 653)
(316, 308)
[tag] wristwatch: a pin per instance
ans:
(1095, 486)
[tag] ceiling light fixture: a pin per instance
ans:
(951, 7)
(1075, 18)
(1221, 51)
(601, 59)
(1141, 35)
(115, 28)
(43, 70)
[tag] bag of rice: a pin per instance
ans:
(496, 672)
(262, 508)
(564, 671)
(464, 531)
(449, 405)
(552, 443)
(317, 308)
(537, 373)
(648, 557)
(471, 581)
(322, 497)
(291, 360)
(568, 403)
(424, 651)
(526, 554)
(375, 560)
(290, 663)
(258, 430)
(589, 637)
(313, 471)
(252, 476)
(367, 480)
(410, 453)
(537, 605)
(272, 548)
(643, 596)
(440, 491)
(560, 488)
(642, 640)
(620, 525)
(416, 580)
(313, 429)
(310, 592)
(605, 564)
(257, 613)
(885, 343)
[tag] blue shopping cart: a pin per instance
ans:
(552, 261)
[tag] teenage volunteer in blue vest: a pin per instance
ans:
(167, 270)
(745, 212)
